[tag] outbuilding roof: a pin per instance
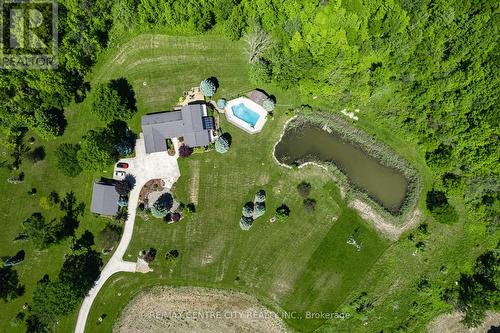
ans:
(104, 199)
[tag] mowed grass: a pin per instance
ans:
(303, 264)
(17, 205)
(166, 79)
(160, 68)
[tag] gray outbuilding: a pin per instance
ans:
(104, 199)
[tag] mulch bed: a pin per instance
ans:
(151, 186)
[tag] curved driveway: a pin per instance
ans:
(144, 168)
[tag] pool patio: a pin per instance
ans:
(252, 107)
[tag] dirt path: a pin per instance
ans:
(186, 310)
(391, 231)
(450, 323)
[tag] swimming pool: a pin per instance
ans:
(244, 113)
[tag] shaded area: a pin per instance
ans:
(125, 91)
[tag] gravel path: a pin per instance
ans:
(144, 167)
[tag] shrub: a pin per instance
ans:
(162, 206)
(260, 209)
(36, 155)
(268, 105)
(67, 161)
(123, 187)
(282, 212)
(191, 208)
(123, 201)
(309, 204)
(423, 228)
(185, 151)
(176, 217)
(122, 214)
(221, 103)
(304, 189)
(260, 196)
(172, 254)
(221, 145)
(208, 88)
(150, 255)
(45, 204)
(248, 209)
(246, 222)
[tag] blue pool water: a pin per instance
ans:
(244, 113)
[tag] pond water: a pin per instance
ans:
(385, 185)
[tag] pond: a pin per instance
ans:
(385, 185)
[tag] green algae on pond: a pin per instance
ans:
(384, 184)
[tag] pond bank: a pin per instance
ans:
(366, 170)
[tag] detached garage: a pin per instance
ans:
(104, 199)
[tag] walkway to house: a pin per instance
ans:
(144, 168)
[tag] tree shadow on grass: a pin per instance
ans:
(69, 222)
(126, 92)
(215, 81)
(228, 138)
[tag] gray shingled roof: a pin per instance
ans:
(187, 123)
(104, 199)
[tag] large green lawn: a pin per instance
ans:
(301, 265)
(172, 65)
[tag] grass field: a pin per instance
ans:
(166, 79)
(282, 264)
(301, 265)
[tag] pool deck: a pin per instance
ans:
(231, 117)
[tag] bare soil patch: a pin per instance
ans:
(194, 182)
(154, 185)
(391, 231)
(186, 309)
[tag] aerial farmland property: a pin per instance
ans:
(229, 166)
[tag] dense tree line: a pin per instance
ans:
(428, 67)
(34, 98)
(479, 291)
